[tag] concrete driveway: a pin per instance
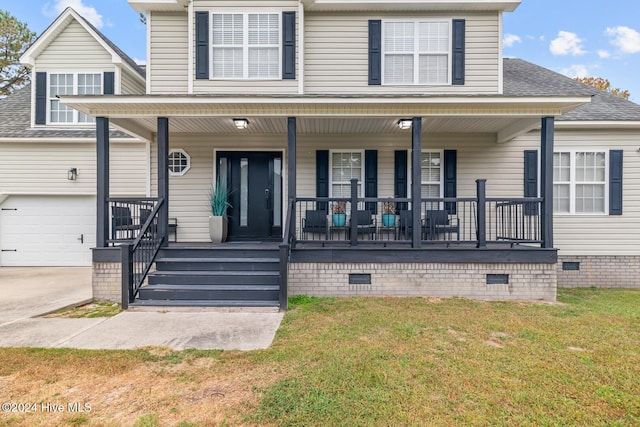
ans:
(30, 292)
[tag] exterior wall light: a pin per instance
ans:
(404, 124)
(72, 174)
(241, 123)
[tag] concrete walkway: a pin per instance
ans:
(35, 291)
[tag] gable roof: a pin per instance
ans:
(61, 22)
(522, 78)
(15, 121)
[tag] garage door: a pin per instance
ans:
(47, 231)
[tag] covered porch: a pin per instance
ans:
(465, 224)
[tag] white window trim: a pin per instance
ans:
(186, 169)
(245, 45)
(360, 181)
(416, 52)
(75, 74)
(572, 182)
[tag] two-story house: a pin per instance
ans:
(369, 148)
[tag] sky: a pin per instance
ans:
(578, 38)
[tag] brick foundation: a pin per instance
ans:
(525, 281)
(600, 271)
(106, 281)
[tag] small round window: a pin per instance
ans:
(179, 162)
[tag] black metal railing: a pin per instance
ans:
(138, 255)
(288, 241)
(371, 220)
(128, 215)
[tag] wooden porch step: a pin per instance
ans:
(210, 292)
(203, 303)
(217, 264)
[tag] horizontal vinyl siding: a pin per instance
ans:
(74, 50)
(336, 55)
(169, 54)
(249, 86)
(131, 85)
(601, 234)
(189, 194)
(42, 168)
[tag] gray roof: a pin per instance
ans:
(15, 121)
(522, 78)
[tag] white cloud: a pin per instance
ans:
(88, 12)
(576, 70)
(511, 39)
(625, 38)
(604, 54)
(567, 44)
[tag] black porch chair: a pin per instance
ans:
(365, 224)
(122, 225)
(315, 222)
(437, 222)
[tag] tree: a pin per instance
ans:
(15, 38)
(603, 84)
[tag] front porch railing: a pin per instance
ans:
(128, 215)
(138, 255)
(478, 221)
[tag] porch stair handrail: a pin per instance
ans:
(288, 241)
(138, 256)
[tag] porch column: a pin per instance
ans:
(416, 179)
(291, 156)
(546, 181)
(102, 181)
(163, 176)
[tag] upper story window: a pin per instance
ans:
(580, 182)
(71, 84)
(246, 46)
(416, 52)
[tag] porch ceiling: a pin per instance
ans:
(196, 114)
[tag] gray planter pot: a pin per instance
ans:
(218, 228)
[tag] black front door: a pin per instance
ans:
(255, 182)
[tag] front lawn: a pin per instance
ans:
(364, 361)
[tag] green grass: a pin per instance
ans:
(371, 361)
(91, 310)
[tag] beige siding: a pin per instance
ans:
(248, 86)
(75, 50)
(168, 71)
(131, 85)
(336, 54)
(601, 234)
(41, 168)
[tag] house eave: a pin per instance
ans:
(143, 6)
(126, 106)
(411, 5)
(597, 124)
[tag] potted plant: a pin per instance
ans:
(218, 203)
(339, 210)
(389, 214)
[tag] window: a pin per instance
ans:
(580, 182)
(346, 165)
(431, 177)
(416, 52)
(179, 162)
(71, 84)
(246, 46)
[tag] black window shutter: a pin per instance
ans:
(109, 83)
(615, 182)
(400, 181)
(457, 75)
(531, 180)
(375, 52)
(322, 178)
(202, 45)
(371, 178)
(450, 179)
(288, 45)
(41, 98)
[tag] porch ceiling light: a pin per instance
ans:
(404, 124)
(241, 123)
